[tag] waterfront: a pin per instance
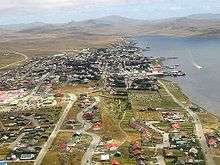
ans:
(199, 58)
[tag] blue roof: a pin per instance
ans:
(3, 163)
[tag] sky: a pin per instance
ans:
(60, 11)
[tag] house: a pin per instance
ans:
(96, 126)
(212, 142)
(193, 150)
(114, 162)
(104, 157)
(3, 163)
(135, 149)
(175, 125)
(27, 156)
(111, 146)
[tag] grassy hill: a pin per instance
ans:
(42, 38)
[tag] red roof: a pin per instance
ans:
(136, 145)
(212, 141)
(111, 146)
(96, 126)
(175, 125)
(114, 162)
(136, 152)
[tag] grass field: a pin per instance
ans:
(217, 160)
(43, 45)
(176, 91)
(110, 127)
(4, 151)
(56, 156)
(209, 121)
(23, 163)
(9, 59)
(125, 159)
(148, 99)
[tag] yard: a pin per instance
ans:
(59, 153)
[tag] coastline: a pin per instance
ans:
(188, 97)
(200, 85)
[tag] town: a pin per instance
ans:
(109, 105)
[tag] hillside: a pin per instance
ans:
(36, 37)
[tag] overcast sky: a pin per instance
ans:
(25, 11)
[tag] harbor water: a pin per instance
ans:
(199, 58)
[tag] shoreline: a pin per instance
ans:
(198, 94)
(194, 101)
(177, 36)
(202, 109)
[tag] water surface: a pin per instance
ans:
(199, 58)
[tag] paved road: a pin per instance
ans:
(53, 135)
(17, 62)
(87, 157)
(198, 127)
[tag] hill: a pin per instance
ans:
(45, 38)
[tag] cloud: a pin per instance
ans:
(49, 4)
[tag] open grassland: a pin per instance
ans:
(23, 163)
(110, 124)
(149, 99)
(142, 100)
(4, 151)
(209, 121)
(217, 160)
(125, 159)
(36, 45)
(117, 113)
(75, 88)
(131, 133)
(148, 116)
(176, 91)
(9, 59)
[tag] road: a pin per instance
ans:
(165, 135)
(87, 157)
(53, 135)
(166, 143)
(33, 121)
(160, 160)
(198, 127)
(119, 125)
(17, 62)
(35, 90)
(17, 141)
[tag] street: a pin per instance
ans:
(87, 157)
(53, 135)
(198, 127)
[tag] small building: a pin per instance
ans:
(27, 156)
(105, 157)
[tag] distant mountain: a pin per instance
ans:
(43, 39)
(108, 20)
(193, 25)
(22, 26)
(207, 16)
